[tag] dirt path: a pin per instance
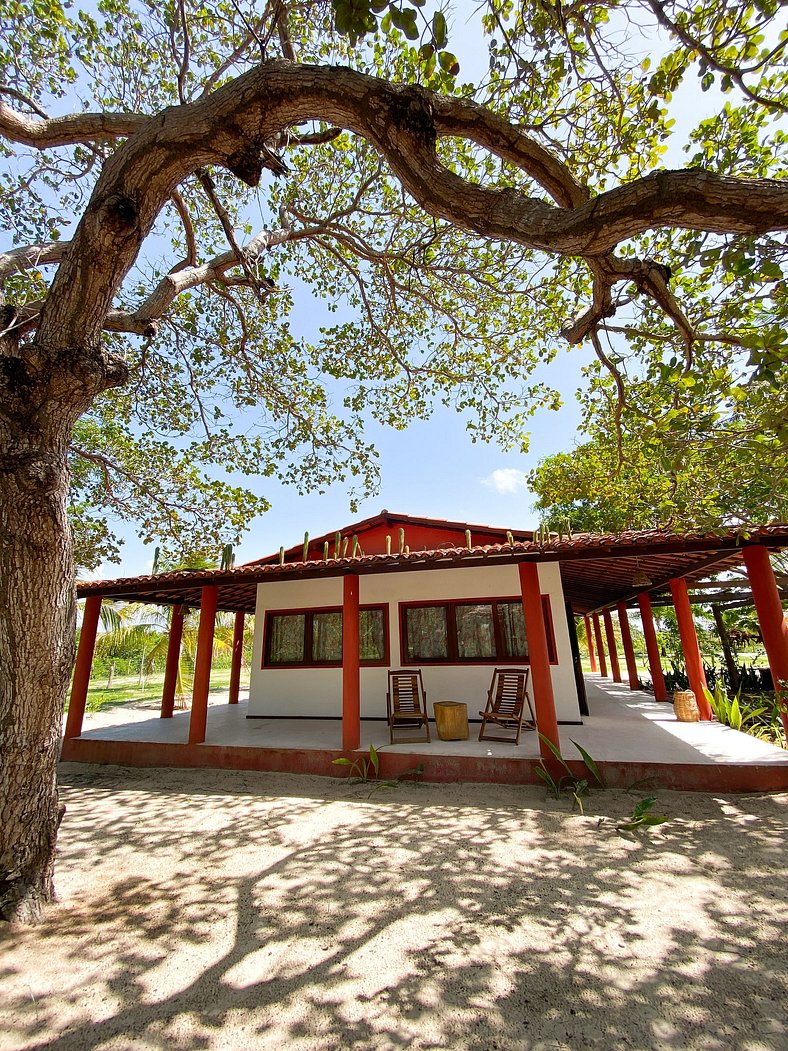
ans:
(206, 909)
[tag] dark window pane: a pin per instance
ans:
(475, 632)
(426, 633)
(513, 630)
(287, 639)
(326, 637)
(373, 643)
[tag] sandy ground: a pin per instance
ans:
(212, 909)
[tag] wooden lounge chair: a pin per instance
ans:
(506, 699)
(406, 703)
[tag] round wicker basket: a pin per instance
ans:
(686, 707)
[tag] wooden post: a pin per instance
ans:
(198, 720)
(652, 647)
(600, 649)
(351, 662)
(539, 658)
(612, 651)
(238, 652)
(590, 643)
(84, 662)
(689, 644)
(725, 642)
(173, 658)
(629, 649)
(771, 620)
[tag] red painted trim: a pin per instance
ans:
(308, 611)
(238, 652)
(771, 619)
(84, 662)
(612, 649)
(590, 643)
(629, 649)
(688, 777)
(541, 676)
(652, 647)
(689, 644)
(351, 679)
(454, 659)
(600, 649)
(198, 719)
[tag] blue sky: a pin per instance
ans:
(432, 469)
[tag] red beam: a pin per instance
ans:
(600, 649)
(539, 657)
(771, 620)
(652, 647)
(689, 644)
(84, 662)
(351, 663)
(590, 643)
(238, 652)
(173, 659)
(611, 646)
(198, 721)
(629, 649)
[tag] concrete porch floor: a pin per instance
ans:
(625, 726)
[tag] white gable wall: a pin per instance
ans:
(317, 692)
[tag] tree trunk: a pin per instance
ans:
(37, 621)
(42, 394)
(725, 642)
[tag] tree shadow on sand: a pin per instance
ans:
(226, 914)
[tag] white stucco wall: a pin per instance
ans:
(318, 691)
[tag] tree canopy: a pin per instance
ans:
(460, 235)
(715, 458)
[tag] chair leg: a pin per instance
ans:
(519, 729)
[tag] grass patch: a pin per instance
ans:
(127, 689)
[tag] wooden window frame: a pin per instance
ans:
(454, 659)
(308, 614)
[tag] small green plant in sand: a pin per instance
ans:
(641, 819)
(569, 782)
(366, 769)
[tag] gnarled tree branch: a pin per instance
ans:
(403, 124)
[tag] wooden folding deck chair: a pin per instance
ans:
(406, 703)
(506, 699)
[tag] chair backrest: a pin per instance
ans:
(508, 691)
(407, 691)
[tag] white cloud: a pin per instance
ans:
(507, 481)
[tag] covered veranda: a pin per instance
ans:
(633, 735)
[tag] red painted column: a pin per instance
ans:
(629, 649)
(612, 651)
(590, 643)
(171, 668)
(689, 644)
(198, 720)
(771, 620)
(539, 658)
(81, 680)
(351, 657)
(600, 649)
(652, 647)
(238, 652)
